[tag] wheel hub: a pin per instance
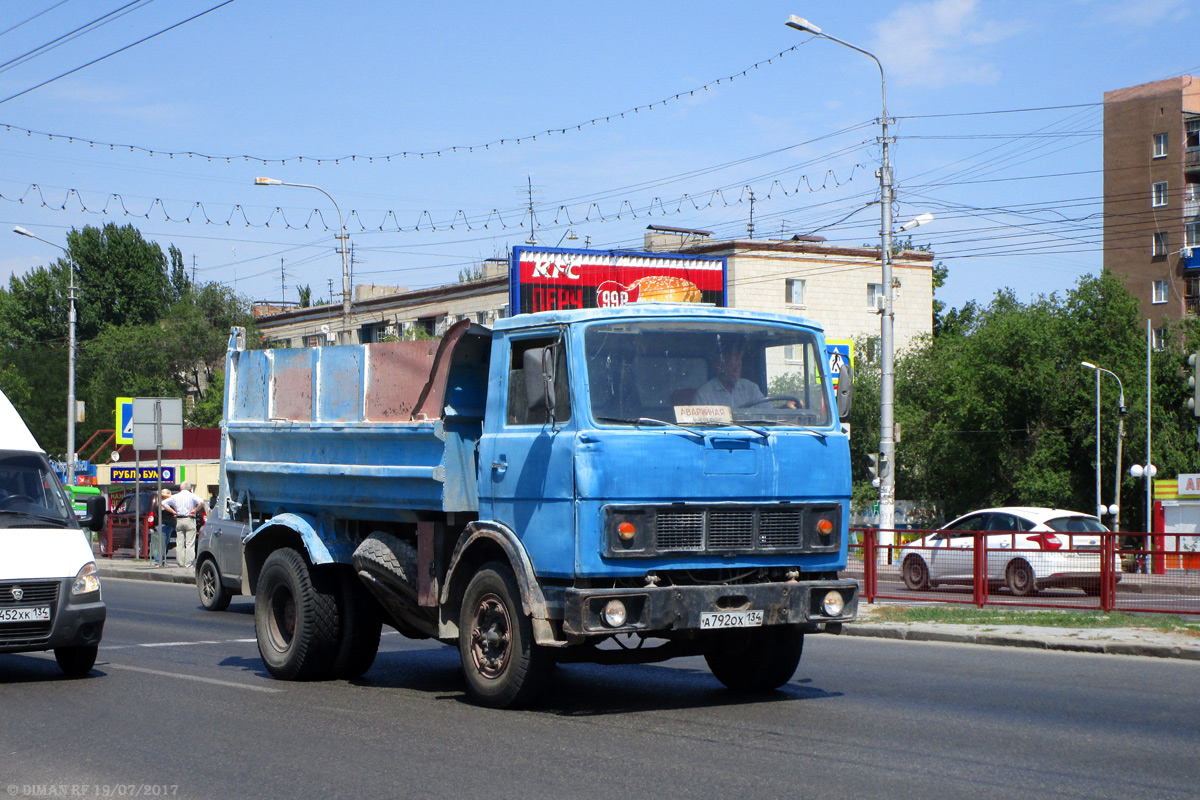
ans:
(491, 638)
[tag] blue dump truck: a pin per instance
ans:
(567, 486)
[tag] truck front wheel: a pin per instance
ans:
(503, 666)
(755, 659)
(296, 618)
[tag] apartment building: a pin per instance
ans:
(1152, 194)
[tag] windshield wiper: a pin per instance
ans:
(665, 424)
(803, 428)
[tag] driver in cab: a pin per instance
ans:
(729, 388)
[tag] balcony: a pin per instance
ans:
(1191, 160)
(1190, 257)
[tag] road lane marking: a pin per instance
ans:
(178, 644)
(214, 681)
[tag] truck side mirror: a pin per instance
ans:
(845, 390)
(538, 366)
(96, 506)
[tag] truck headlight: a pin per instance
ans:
(614, 614)
(87, 580)
(834, 603)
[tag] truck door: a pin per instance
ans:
(526, 453)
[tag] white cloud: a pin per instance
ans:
(940, 43)
(1142, 13)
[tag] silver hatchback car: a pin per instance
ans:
(219, 562)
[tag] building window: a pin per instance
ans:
(314, 340)
(1158, 291)
(795, 292)
(1191, 234)
(1158, 194)
(1158, 338)
(1192, 138)
(1159, 247)
(1160, 145)
(875, 298)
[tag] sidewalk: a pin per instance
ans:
(1111, 641)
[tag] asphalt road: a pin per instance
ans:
(180, 705)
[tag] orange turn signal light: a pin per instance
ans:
(825, 527)
(626, 531)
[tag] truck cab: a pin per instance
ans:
(675, 474)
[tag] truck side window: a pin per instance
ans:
(518, 411)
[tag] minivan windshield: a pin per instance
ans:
(30, 493)
(697, 372)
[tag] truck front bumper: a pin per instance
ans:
(653, 609)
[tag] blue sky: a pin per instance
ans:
(1016, 194)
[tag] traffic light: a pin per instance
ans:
(1193, 401)
(873, 462)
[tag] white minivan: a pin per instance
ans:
(49, 586)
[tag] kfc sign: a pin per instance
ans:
(548, 279)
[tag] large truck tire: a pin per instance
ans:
(361, 624)
(296, 618)
(503, 666)
(390, 559)
(755, 659)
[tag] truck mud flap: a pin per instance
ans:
(387, 565)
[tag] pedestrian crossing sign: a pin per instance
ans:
(124, 420)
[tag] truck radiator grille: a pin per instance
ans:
(688, 529)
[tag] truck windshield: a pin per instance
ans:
(696, 373)
(30, 493)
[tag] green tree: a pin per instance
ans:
(123, 278)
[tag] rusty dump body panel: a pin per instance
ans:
(373, 431)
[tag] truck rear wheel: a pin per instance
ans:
(755, 659)
(361, 624)
(296, 618)
(503, 666)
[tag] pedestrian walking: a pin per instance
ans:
(187, 507)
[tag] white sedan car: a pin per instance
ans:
(1027, 549)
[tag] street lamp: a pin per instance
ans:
(887, 442)
(1115, 508)
(71, 409)
(342, 238)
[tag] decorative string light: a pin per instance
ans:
(114, 204)
(387, 157)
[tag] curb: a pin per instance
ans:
(148, 573)
(999, 640)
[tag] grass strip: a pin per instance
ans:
(965, 615)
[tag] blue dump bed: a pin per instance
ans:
(356, 431)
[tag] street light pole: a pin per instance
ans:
(887, 443)
(1122, 410)
(71, 405)
(342, 239)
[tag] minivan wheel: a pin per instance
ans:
(76, 661)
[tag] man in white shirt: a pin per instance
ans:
(187, 506)
(729, 388)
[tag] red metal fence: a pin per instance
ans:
(1067, 571)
